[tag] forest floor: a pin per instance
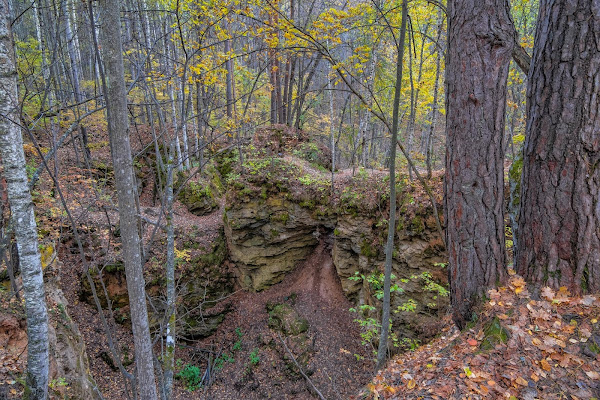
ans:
(313, 290)
(257, 363)
(332, 342)
(524, 345)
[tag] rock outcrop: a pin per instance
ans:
(203, 278)
(268, 237)
(277, 208)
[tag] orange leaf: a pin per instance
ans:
(521, 381)
(472, 342)
(545, 365)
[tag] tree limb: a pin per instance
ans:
(521, 58)
(300, 369)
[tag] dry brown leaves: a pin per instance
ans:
(551, 353)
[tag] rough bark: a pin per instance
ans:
(13, 161)
(118, 128)
(480, 44)
(559, 221)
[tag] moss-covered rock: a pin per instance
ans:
(207, 279)
(285, 319)
(267, 238)
(270, 230)
(110, 276)
(198, 197)
(68, 356)
(202, 280)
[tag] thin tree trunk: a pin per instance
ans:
(480, 43)
(118, 128)
(434, 109)
(559, 221)
(331, 132)
(76, 77)
(273, 82)
(169, 361)
(21, 205)
(229, 80)
(364, 120)
(304, 85)
(389, 246)
(184, 125)
(415, 97)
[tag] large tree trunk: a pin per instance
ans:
(480, 43)
(13, 161)
(118, 129)
(559, 221)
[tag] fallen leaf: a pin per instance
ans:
(548, 293)
(518, 289)
(545, 365)
(521, 381)
(593, 375)
(534, 377)
(588, 300)
(472, 342)
(411, 384)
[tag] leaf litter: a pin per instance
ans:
(550, 349)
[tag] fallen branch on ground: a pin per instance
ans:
(300, 369)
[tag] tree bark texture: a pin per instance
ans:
(118, 128)
(480, 44)
(21, 205)
(559, 221)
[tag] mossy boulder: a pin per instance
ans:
(199, 198)
(591, 348)
(283, 318)
(206, 280)
(200, 195)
